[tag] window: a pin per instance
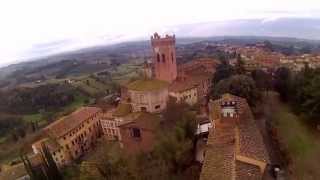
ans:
(158, 57)
(172, 57)
(143, 109)
(157, 107)
(136, 133)
(163, 58)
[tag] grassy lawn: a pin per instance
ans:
(32, 117)
(301, 143)
(2, 139)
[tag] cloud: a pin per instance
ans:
(28, 25)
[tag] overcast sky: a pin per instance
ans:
(27, 26)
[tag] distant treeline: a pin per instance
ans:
(31, 100)
(301, 90)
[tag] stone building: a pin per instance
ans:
(164, 57)
(138, 132)
(150, 95)
(194, 81)
(235, 147)
(72, 136)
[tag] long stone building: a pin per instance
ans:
(71, 136)
(235, 147)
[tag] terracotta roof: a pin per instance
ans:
(49, 142)
(180, 86)
(219, 162)
(247, 171)
(70, 122)
(147, 85)
(145, 120)
(122, 109)
(251, 141)
(187, 82)
(208, 63)
(229, 146)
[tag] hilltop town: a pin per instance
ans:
(209, 117)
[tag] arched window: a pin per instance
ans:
(163, 58)
(158, 57)
(172, 57)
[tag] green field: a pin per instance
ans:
(125, 72)
(32, 117)
(300, 141)
(91, 86)
(2, 139)
(80, 100)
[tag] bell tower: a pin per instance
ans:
(164, 57)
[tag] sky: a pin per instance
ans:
(33, 28)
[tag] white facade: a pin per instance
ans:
(228, 111)
(189, 96)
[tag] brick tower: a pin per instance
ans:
(164, 57)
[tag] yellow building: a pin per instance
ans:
(72, 136)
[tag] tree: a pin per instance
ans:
(175, 148)
(51, 168)
(239, 85)
(283, 82)
(34, 174)
(239, 67)
(174, 111)
(262, 79)
(14, 136)
(21, 132)
(304, 92)
(223, 71)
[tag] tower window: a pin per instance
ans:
(172, 57)
(158, 57)
(163, 58)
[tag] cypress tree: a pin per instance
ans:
(51, 166)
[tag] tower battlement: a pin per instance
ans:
(157, 40)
